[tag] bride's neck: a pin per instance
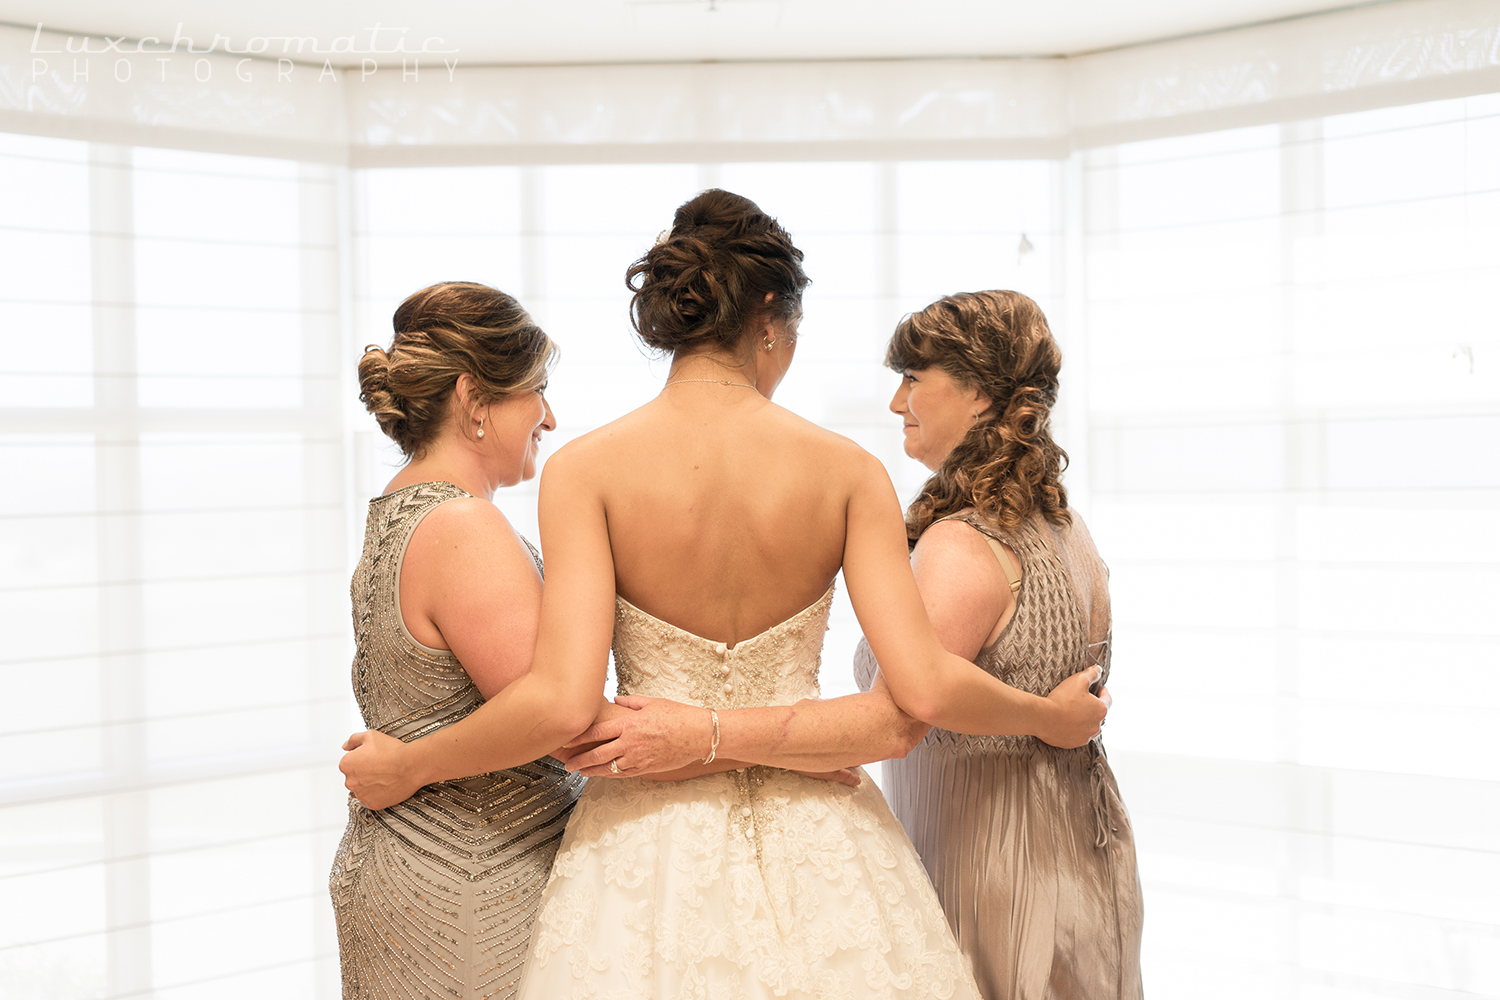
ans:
(708, 364)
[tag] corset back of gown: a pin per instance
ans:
(777, 667)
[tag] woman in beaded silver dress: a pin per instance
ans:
(436, 896)
(700, 534)
(1028, 845)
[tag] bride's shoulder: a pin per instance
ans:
(598, 444)
(832, 450)
(792, 428)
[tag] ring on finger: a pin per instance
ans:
(614, 765)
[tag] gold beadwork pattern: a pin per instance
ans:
(435, 897)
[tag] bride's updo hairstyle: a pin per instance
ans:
(442, 332)
(1007, 466)
(705, 283)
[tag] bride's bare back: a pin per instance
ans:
(726, 513)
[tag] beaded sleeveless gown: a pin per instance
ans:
(435, 897)
(1029, 847)
(747, 884)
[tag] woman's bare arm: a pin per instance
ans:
(964, 589)
(546, 707)
(811, 736)
(926, 680)
(468, 585)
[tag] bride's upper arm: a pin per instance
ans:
(578, 600)
(882, 589)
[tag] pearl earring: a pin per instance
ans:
(480, 432)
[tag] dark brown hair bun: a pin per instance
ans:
(706, 281)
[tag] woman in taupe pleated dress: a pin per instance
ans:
(436, 896)
(1029, 846)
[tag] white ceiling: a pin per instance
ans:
(586, 31)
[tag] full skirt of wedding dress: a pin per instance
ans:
(738, 886)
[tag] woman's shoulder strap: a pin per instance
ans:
(404, 509)
(998, 541)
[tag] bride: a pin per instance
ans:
(701, 534)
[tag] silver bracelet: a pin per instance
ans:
(713, 748)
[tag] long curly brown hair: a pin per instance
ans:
(1007, 466)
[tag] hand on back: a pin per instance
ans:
(1076, 713)
(375, 770)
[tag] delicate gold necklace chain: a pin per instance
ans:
(720, 381)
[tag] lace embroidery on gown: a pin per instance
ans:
(746, 884)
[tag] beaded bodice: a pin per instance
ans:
(403, 688)
(435, 896)
(777, 667)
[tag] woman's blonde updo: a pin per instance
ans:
(1007, 466)
(444, 331)
(705, 282)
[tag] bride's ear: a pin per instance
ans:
(766, 329)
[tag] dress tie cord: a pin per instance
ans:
(1098, 790)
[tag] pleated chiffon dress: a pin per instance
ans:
(436, 896)
(1029, 846)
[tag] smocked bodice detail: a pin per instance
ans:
(777, 667)
(1060, 626)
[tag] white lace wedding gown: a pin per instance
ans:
(746, 884)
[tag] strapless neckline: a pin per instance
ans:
(722, 647)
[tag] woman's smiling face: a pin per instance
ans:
(936, 412)
(517, 423)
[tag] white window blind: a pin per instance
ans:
(174, 566)
(1294, 411)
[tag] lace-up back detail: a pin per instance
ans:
(777, 667)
